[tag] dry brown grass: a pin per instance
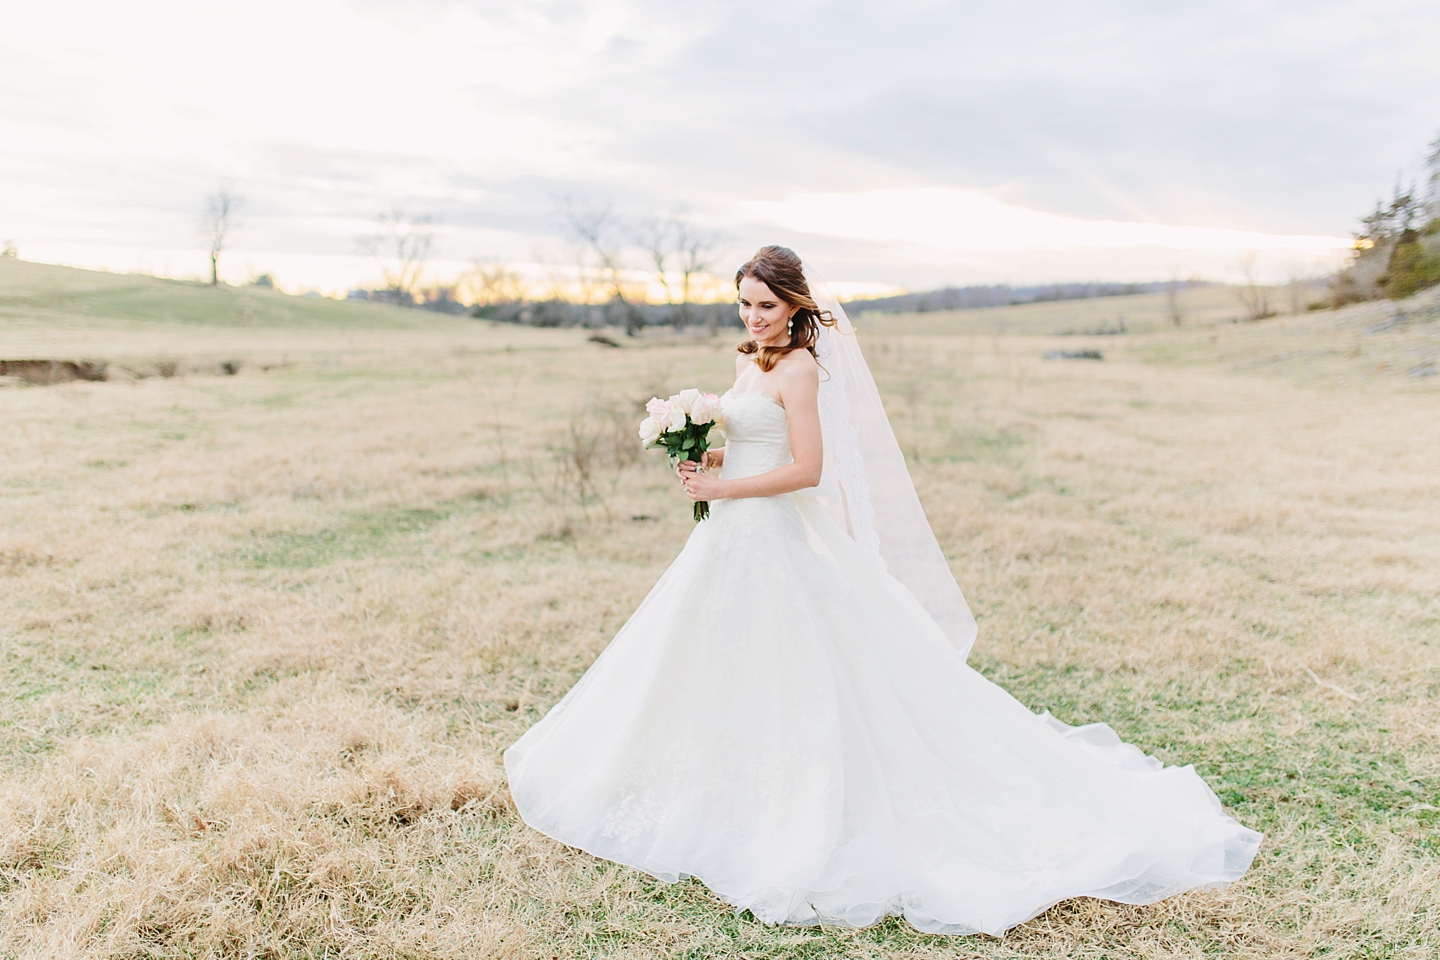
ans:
(265, 636)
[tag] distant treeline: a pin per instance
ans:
(616, 313)
(635, 316)
(1004, 295)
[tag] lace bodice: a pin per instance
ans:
(757, 435)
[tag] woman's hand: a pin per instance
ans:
(702, 486)
(712, 459)
(689, 469)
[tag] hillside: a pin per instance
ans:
(51, 297)
(143, 326)
(1393, 343)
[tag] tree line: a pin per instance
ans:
(1003, 295)
(616, 266)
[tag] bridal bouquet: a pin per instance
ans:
(681, 425)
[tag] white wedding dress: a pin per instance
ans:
(783, 720)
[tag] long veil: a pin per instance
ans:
(865, 485)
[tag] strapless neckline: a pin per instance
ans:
(752, 393)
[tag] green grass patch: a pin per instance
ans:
(361, 534)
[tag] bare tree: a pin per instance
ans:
(218, 220)
(402, 245)
(1297, 287)
(600, 233)
(655, 235)
(695, 249)
(1172, 298)
(676, 245)
(1254, 297)
(557, 277)
(491, 283)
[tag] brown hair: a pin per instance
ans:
(780, 270)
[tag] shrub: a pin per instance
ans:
(1411, 268)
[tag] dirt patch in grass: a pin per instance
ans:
(45, 372)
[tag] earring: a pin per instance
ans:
(790, 326)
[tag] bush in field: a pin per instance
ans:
(1413, 265)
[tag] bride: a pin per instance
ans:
(788, 715)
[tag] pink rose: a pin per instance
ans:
(686, 400)
(706, 409)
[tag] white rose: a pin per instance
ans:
(686, 400)
(677, 417)
(706, 409)
(649, 431)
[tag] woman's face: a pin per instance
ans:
(765, 314)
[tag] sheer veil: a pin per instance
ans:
(865, 485)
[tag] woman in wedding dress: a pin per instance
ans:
(788, 715)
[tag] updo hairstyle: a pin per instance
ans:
(780, 270)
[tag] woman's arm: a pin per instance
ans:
(799, 383)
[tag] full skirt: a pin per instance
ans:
(782, 720)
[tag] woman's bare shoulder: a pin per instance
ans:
(799, 363)
(799, 374)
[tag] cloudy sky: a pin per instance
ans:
(908, 142)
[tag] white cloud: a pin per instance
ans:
(970, 221)
(916, 143)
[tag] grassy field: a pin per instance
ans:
(264, 636)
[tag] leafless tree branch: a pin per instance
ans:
(218, 220)
(676, 245)
(402, 245)
(1254, 297)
